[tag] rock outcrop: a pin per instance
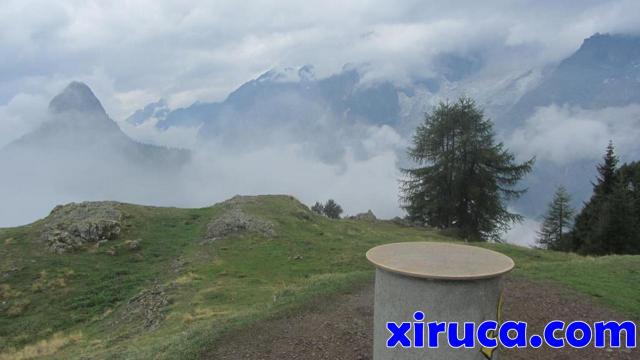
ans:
(236, 220)
(72, 226)
(147, 309)
(368, 216)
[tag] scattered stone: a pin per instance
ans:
(297, 257)
(102, 243)
(147, 308)
(9, 272)
(111, 251)
(177, 265)
(70, 227)
(132, 245)
(368, 216)
(235, 220)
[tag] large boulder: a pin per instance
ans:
(72, 226)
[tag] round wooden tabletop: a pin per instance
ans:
(444, 261)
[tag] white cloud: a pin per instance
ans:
(358, 185)
(215, 173)
(563, 134)
(174, 137)
(201, 50)
(523, 234)
(22, 114)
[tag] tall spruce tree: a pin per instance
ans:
(629, 178)
(553, 233)
(609, 222)
(463, 176)
(591, 226)
(607, 171)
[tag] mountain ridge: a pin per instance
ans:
(603, 72)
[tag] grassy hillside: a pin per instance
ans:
(178, 293)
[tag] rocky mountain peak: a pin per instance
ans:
(78, 97)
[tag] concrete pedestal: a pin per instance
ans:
(447, 282)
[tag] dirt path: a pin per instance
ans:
(341, 327)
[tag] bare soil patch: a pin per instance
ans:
(340, 327)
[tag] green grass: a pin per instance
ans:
(70, 306)
(614, 280)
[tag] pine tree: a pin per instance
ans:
(607, 171)
(318, 208)
(557, 221)
(609, 221)
(620, 228)
(464, 176)
(332, 209)
(591, 226)
(629, 177)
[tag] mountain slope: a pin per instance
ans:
(79, 153)
(603, 72)
(178, 289)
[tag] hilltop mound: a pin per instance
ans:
(236, 220)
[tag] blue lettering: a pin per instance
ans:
(468, 338)
(398, 334)
(520, 340)
(615, 333)
(434, 329)
(549, 334)
(485, 340)
(584, 340)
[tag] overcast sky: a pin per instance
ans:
(134, 52)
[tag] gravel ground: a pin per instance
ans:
(340, 327)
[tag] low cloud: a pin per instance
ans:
(523, 234)
(173, 137)
(23, 113)
(563, 134)
(355, 164)
(358, 185)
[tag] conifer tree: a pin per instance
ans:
(332, 209)
(463, 176)
(607, 171)
(609, 221)
(590, 230)
(318, 208)
(553, 233)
